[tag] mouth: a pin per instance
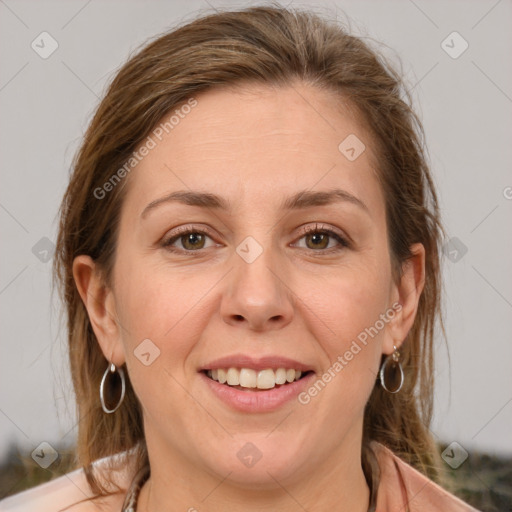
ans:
(251, 384)
(250, 379)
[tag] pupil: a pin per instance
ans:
(318, 239)
(192, 239)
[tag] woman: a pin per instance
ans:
(249, 256)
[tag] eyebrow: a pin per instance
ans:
(300, 200)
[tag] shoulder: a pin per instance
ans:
(71, 493)
(403, 486)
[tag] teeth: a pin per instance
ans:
(249, 378)
(280, 376)
(266, 379)
(233, 377)
(221, 376)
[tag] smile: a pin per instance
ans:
(270, 397)
(248, 378)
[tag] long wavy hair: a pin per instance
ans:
(262, 45)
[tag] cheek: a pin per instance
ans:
(346, 317)
(348, 302)
(163, 306)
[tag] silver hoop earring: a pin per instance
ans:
(110, 387)
(391, 373)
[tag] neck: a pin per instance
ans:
(337, 484)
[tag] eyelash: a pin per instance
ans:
(167, 243)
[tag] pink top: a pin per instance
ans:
(401, 489)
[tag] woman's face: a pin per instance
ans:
(249, 239)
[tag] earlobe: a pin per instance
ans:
(100, 305)
(407, 292)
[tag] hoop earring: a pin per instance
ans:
(391, 373)
(112, 388)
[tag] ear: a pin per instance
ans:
(407, 293)
(100, 304)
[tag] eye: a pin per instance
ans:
(319, 239)
(190, 239)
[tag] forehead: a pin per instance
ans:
(258, 141)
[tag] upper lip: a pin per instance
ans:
(260, 363)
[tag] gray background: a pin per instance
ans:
(466, 107)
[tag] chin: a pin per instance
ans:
(259, 463)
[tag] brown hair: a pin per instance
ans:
(266, 45)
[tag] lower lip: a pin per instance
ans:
(257, 401)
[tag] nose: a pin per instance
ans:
(257, 296)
